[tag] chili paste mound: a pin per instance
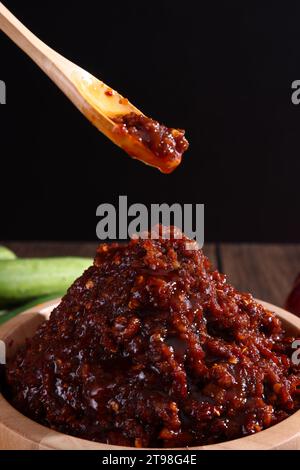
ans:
(152, 347)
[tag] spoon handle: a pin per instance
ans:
(99, 103)
(57, 67)
(85, 92)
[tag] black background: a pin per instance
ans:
(221, 70)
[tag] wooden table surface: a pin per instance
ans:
(265, 270)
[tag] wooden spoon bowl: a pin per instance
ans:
(21, 433)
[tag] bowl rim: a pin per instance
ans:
(17, 427)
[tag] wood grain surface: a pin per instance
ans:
(267, 271)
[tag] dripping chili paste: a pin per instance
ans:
(166, 144)
(151, 347)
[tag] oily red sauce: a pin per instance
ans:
(167, 144)
(151, 347)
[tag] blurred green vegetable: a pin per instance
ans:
(24, 279)
(6, 253)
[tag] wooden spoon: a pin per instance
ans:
(97, 101)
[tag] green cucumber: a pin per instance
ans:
(12, 313)
(6, 253)
(24, 279)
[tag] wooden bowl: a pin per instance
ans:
(19, 432)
